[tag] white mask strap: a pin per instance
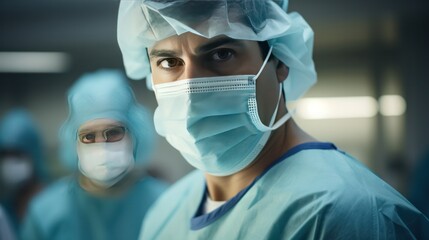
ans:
(265, 63)
(282, 120)
(273, 118)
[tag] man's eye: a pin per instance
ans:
(88, 138)
(169, 63)
(222, 55)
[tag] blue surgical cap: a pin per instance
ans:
(105, 94)
(18, 132)
(141, 23)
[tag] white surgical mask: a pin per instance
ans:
(106, 163)
(214, 121)
(15, 170)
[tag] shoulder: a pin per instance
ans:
(335, 174)
(345, 196)
(48, 209)
(185, 185)
(372, 213)
(327, 170)
(175, 201)
(152, 184)
(149, 189)
(53, 200)
(181, 189)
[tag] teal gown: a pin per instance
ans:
(65, 211)
(314, 191)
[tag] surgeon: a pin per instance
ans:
(6, 232)
(222, 72)
(108, 138)
(419, 187)
(23, 171)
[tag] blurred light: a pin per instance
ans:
(392, 105)
(337, 107)
(34, 62)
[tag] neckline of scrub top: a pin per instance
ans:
(202, 220)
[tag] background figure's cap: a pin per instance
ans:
(142, 23)
(105, 94)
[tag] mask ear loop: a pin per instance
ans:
(282, 120)
(285, 117)
(263, 64)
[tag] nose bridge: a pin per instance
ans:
(191, 69)
(99, 137)
(195, 68)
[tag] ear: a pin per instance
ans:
(282, 71)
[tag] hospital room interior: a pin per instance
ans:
(371, 98)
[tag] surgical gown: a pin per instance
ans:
(6, 232)
(66, 211)
(314, 191)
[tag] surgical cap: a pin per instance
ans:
(18, 132)
(105, 94)
(141, 23)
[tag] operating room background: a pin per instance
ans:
(372, 60)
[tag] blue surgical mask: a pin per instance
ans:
(213, 121)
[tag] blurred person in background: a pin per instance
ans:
(222, 72)
(108, 137)
(22, 168)
(419, 187)
(6, 232)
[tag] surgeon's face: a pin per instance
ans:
(16, 170)
(190, 56)
(101, 130)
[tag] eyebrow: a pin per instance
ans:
(201, 49)
(218, 42)
(91, 130)
(162, 53)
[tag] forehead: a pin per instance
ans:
(98, 124)
(195, 43)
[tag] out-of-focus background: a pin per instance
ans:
(372, 59)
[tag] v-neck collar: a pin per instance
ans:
(200, 220)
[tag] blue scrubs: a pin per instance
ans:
(314, 191)
(66, 211)
(19, 134)
(6, 232)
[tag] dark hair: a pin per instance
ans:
(263, 45)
